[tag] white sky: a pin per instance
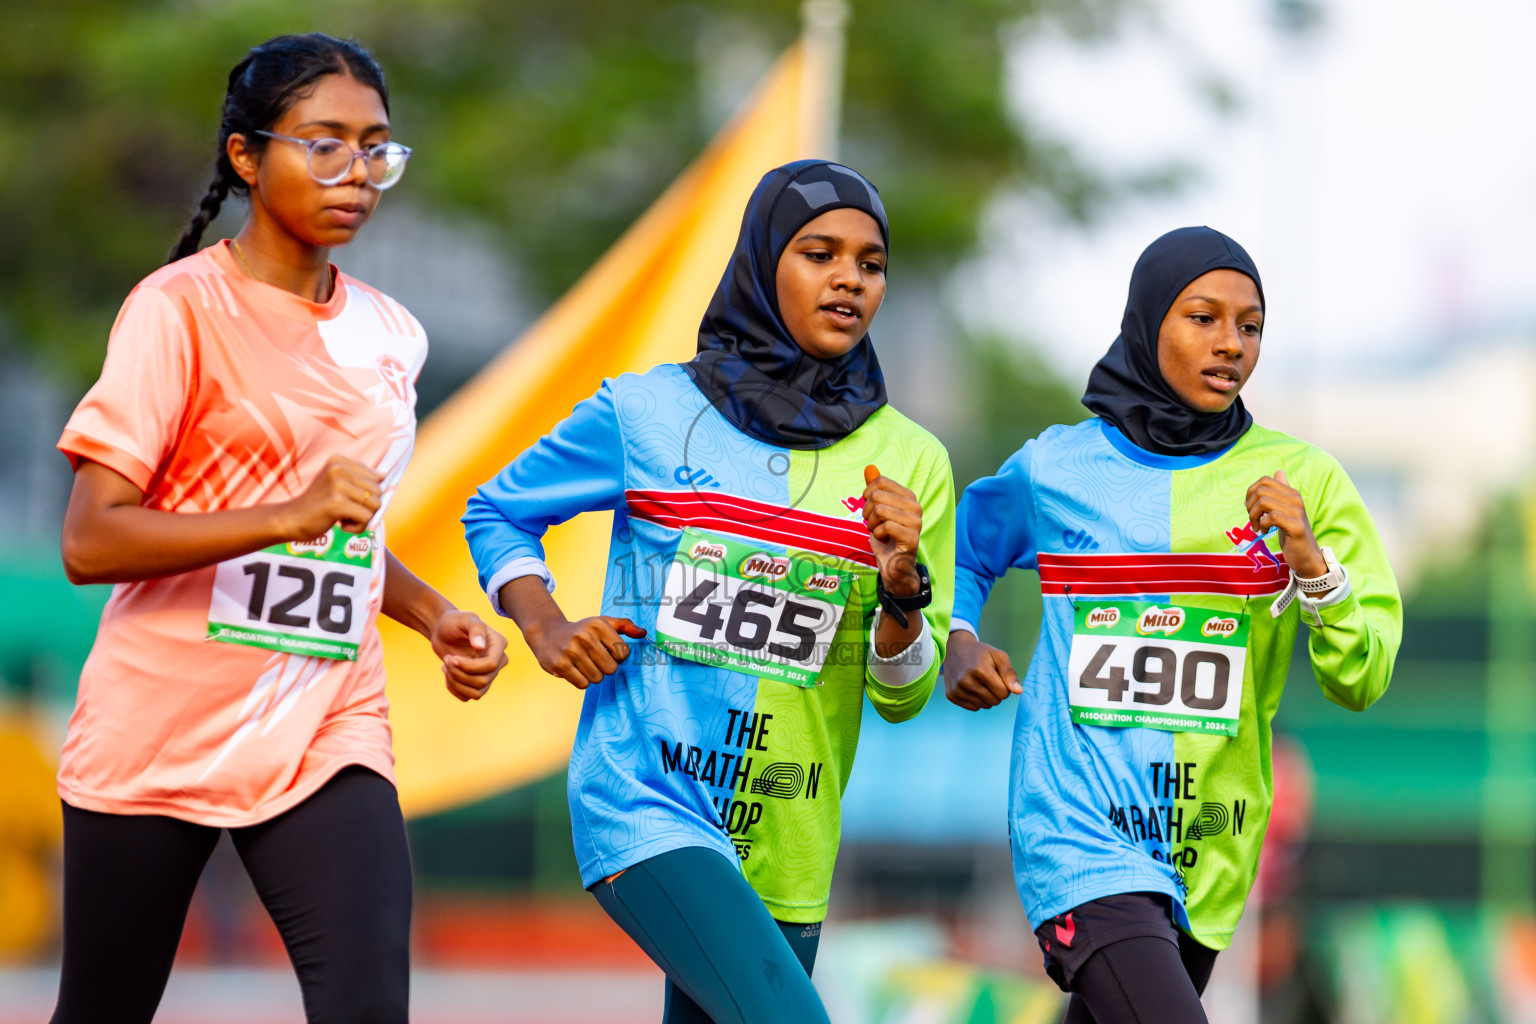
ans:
(1381, 171)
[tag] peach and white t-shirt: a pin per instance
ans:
(222, 392)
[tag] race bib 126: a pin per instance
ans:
(309, 597)
(1169, 667)
(730, 603)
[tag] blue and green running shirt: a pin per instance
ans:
(672, 752)
(1134, 550)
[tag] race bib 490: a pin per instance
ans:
(731, 604)
(1170, 667)
(309, 597)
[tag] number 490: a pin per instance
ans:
(1163, 676)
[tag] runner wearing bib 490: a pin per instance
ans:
(753, 542)
(1180, 546)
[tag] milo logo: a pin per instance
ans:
(317, 547)
(1166, 621)
(821, 581)
(706, 551)
(1219, 627)
(1103, 618)
(358, 546)
(763, 566)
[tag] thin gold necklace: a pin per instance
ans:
(235, 244)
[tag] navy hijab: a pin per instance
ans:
(748, 364)
(1127, 388)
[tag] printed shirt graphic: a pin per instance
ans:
(1097, 810)
(672, 753)
(222, 392)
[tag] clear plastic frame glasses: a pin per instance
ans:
(330, 160)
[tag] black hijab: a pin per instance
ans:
(748, 364)
(1127, 388)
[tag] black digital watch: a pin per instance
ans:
(897, 607)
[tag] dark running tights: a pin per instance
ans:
(1144, 980)
(680, 1009)
(333, 872)
(727, 960)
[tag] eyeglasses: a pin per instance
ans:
(330, 160)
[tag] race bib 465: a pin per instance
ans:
(732, 604)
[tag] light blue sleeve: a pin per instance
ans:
(994, 532)
(577, 467)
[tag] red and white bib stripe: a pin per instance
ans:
(1164, 573)
(757, 520)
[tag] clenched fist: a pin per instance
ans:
(894, 519)
(584, 651)
(345, 492)
(1272, 501)
(472, 653)
(977, 675)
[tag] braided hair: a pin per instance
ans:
(262, 87)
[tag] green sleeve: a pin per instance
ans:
(1354, 643)
(935, 491)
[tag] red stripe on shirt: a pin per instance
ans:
(1161, 573)
(757, 520)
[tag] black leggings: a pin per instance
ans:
(726, 959)
(334, 873)
(1142, 980)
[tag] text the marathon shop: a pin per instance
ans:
(747, 735)
(1166, 823)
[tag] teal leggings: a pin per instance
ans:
(727, 960)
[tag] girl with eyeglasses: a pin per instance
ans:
(232, 466)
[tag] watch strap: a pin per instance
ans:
(1334, 577)
(897, 607)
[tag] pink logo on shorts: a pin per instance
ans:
(1064, 933)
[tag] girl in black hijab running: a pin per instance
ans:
(1180, 546)
(765, 578)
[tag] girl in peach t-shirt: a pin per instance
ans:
(253, 418)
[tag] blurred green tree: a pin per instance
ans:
(554, 122)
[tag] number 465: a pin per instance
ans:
(711, 618)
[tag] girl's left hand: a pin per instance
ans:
(895, 521)
(1272, 501)
(472, 652)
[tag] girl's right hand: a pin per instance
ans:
(345, 492)
(977, 675)
(582, 652)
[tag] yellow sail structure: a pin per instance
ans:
(640, 305)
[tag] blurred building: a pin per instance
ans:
(1430, 441)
